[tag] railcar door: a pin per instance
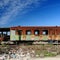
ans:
(19, 33)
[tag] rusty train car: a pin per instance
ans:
(30, 34)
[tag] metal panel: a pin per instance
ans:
(28, 37)
(36, 38)
(44, 37)
(13, 36)
(23, 37)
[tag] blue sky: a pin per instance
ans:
(29, 13)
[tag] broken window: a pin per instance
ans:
(18, 32)
(4, 32)
(36, 32)
(28, 32)
(45, 32)
(8, 33)
(0, 34)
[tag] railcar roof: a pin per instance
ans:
(4, 29)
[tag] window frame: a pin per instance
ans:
(28, 32)
(44, 32)
(37, 32)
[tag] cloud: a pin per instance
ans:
(11, 8)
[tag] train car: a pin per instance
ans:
(35, 33)
(30, 34)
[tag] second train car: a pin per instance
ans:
(31, 34)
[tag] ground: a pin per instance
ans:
(47, 58)
(31, 52)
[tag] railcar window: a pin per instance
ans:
(45, 32)
(19, 32)
(8, 33)
(0, 34)
(36, 32)
(4, 32)
(28, 32)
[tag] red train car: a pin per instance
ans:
(31, 33)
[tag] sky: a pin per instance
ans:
(29, 13)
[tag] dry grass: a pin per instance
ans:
(40, 50)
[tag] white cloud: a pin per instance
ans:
(15, 6)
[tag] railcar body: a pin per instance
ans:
(35, 33)
(30, 33)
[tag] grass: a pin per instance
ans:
(49, 54)
(45, 53)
